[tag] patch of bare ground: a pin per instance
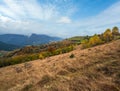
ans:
(92, 69)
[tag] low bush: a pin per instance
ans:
(18, 59)
(18, 69)
(45, 79)
(45, 54)
(27, 87)
(72, 56)
(62, 72)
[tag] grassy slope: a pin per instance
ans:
(77, 38)
(93, 69)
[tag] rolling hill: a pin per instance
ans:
(91, 69)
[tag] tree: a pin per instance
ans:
(51, 48)
(95, 40)
(107, 35)
(115, 31)
(84, 43)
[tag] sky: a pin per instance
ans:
(62, 18)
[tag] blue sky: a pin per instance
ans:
(63, 18)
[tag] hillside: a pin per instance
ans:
(78, 39)
(92, 69)
(2, 53)
(40, 48)
(7, 47)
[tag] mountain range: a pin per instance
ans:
(7, 47)
(12, 41)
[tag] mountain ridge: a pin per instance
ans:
(23, 40)
(7, 47)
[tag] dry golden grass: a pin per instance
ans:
(92, 69)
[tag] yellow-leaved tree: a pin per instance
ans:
(115, 31)
(95, 40)
(107, 35)
(85, 43)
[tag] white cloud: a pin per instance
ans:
(4, 19)
(24, 9)
(64, 20)
(25, 17)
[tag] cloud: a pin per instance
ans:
(23, 9)
(23, 17)
(53, 18)
(5, 19)
(64, 20)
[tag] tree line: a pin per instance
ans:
(105, 37)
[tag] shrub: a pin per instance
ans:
(18, 69)
(72, 56)
(45, 79)
(67, 49)
(73, 70)
(45, 54)
(28, 65)
(41, 56)
(18, 59)
(62, 72)
(27, 87)
(57, 52)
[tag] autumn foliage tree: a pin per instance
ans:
(95, 40)
(115, 31)
(85, 43)
(107, 35)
